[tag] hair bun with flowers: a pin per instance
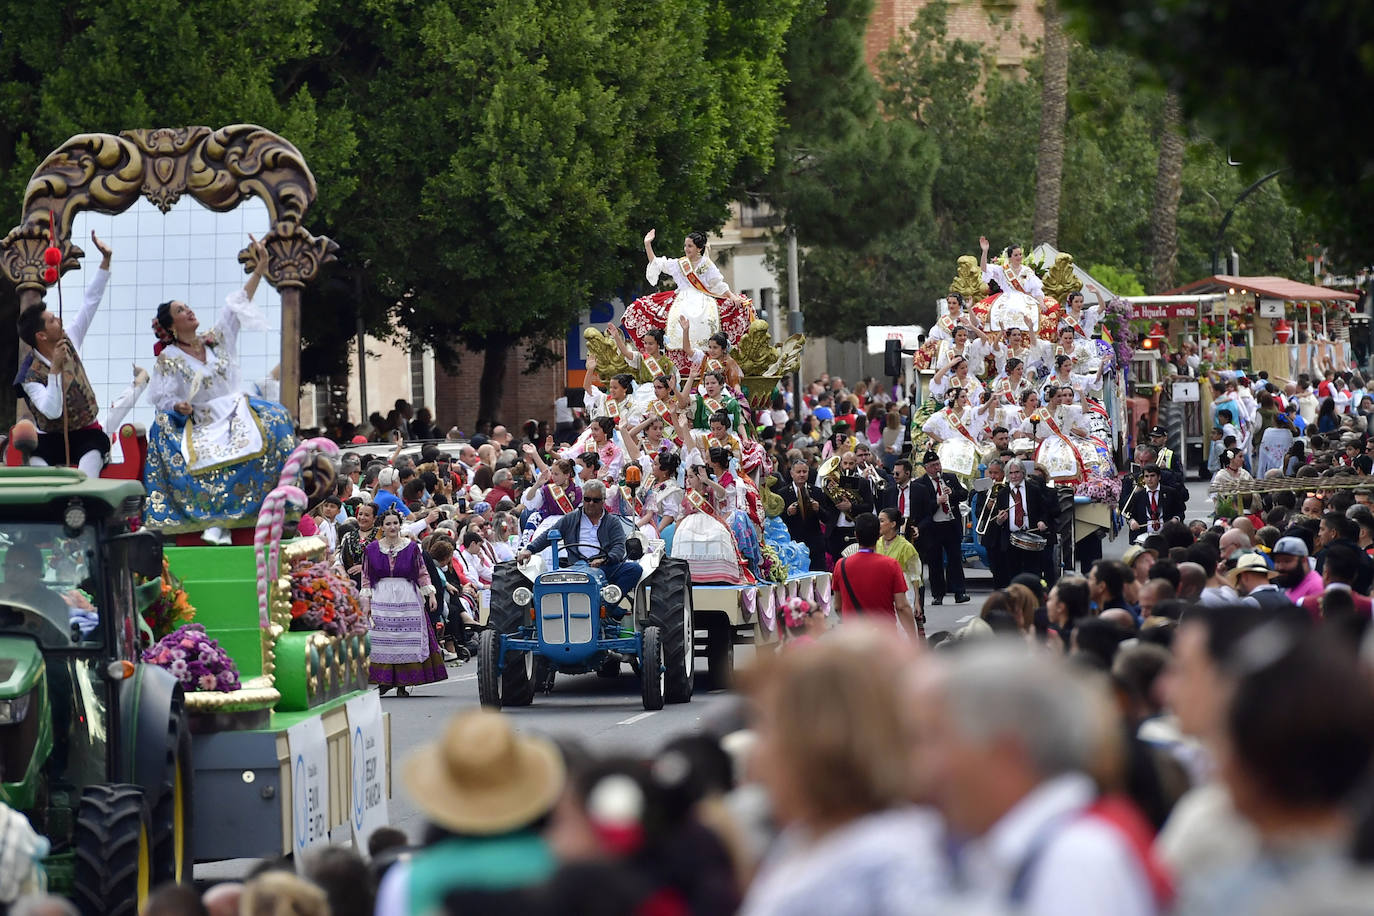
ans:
(164, 337)
(795, 612)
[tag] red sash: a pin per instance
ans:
(959, 425)
(700, 503)
(666, 414)
(631, 500)
(1075, 324)
(1002, 388)
(613, 410)
(560, 498)
(690, 273)
(1015, 281)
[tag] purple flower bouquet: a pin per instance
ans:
(194, 659)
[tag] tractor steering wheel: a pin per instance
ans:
(18, 617)
(568, 556)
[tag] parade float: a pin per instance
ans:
(1079, 446)
(743, 573)
(160, 707)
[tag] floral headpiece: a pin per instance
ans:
(795, 612)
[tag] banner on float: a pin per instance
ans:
(309, 786)
(367, 740)
(1141, 311)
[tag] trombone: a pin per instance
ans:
(985, 513)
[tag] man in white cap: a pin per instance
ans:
(1253, 579)
(486, 789)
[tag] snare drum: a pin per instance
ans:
(1027, 540)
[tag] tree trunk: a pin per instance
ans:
(1054, 103)
(1168, 189)
(491, 389)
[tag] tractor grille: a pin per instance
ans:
(567, 618)
(17, 741)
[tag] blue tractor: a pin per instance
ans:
(569, 619)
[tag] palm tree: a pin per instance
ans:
(1054, 99)
(1168, 188)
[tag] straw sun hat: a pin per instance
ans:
(481, 778)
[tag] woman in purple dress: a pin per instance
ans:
(396, 594)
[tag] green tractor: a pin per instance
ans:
(94, 748)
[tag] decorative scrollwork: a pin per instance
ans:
(218, 168)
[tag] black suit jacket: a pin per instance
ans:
(1042, 505)
(830, 514)
(803, 529)
(1171, 504)
(925, 505)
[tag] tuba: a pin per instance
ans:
(828, 477)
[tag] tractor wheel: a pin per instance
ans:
(504, 616)
(670, 608)
(488, 675)
(171, 821)
(113, 851)
(652, 676)
(720, 652)
(518, 678)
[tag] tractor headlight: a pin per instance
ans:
(522, 596)
(12, 711)
(75, 515)
(610, 594)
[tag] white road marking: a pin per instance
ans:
(633, 719)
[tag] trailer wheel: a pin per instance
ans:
(488, 675)
(113, 853)
(652, 675)
(720, 651)
(670, 608)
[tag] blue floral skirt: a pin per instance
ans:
(227, 495)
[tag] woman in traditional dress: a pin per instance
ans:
(1007, 393)
(962, 346)
(355, 541)
(699, 287)
(1022, 296)
(553, 493)
(714, 356)
(214, 452)
(957, 373)
(1065, 448)
(1078, 319)
(1019, 345)
(958, 429)
(1080, 385)
(649, 362)
(661, 497)
(600, 440)
(615, 402)
(397, 594)
(1232, 472)
(953, 318)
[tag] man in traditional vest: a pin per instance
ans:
(53, 382)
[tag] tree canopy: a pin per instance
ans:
(984, 122)
(1264, 78)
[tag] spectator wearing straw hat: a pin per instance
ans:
(485, 791)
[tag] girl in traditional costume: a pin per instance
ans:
(1008, 392)
(1018, 304)
(648, 362)
(661, 497)
(1078, 319)
(958, 430)
(599, 440)
(396, 595)
(957, 374)
(700, 288)
(214, 452)
(953, 318)
(961, 346)
(554, 493)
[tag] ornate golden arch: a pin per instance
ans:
(105, 173)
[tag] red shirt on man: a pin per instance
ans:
(876, 581)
